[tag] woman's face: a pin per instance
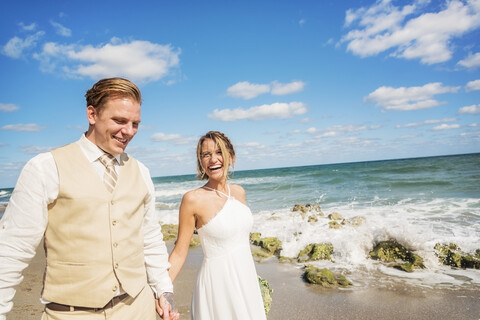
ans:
(211, 159)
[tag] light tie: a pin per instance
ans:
(110, 176)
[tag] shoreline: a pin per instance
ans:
(292, 297)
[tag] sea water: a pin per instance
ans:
(418, 202)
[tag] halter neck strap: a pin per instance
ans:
(211, 189)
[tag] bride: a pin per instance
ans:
(226, 286)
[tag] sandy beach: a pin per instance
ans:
(293, 298)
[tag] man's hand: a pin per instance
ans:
(166, 308)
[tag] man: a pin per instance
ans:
(94, 207)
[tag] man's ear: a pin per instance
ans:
(92, 115)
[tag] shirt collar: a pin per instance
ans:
(91, 150)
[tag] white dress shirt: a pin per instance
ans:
(25, 219)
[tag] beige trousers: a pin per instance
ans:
(140, 308)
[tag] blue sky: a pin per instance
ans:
(290, 82)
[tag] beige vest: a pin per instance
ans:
(94, 239)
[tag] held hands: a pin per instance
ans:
(165, 306)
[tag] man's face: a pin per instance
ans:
(115, 125)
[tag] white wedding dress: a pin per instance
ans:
(227, 286)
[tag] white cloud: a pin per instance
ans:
(474, 109)
(473, 86)
(60, 29)
(408, 32)
(174, 138)
(412, 98)
(30, 27)
(8, 107)
(16, 46)
(36, 149)
(267, 111)
(472, 61)
(424, 123)
(445, 126)
(288, 88)
(135, 60)
(247, 90)
(31, 127)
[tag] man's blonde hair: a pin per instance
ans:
(108, 88)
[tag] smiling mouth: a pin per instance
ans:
(214, 168)
(122, 141)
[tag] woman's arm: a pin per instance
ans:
(186, 226)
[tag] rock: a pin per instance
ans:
(392, 252)
(334, 225)
(304, 209)
(266, 294)
(355, 221)
(170, 232)
(312, 219)
(325, 277)
(255, 238)
(335, 216)
(260, 254)
(271, 244)
(316, 251)
(451, 255)
(283, 259)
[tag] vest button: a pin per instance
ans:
(116, 265)
(112, 202)
(115, 288)
(115, 244)
(114, 222)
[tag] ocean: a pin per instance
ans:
(418, 202)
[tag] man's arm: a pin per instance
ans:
(23, 225)
(155, 250)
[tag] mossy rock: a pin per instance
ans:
(255, 238)
(170, 231)
(312, 219)
(283, 259)
(335, 216)
(393, 252)
(266, 294)
(271, 244)
(334, 225)
(304, 209)
(316, 251)
(451, 255)
(325, 277)
(261, 254)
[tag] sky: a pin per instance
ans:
(290, 82)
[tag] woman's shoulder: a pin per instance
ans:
(194, 195)
(237, 191)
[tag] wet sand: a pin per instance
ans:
(293, 298)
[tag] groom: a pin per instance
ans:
(94, 207)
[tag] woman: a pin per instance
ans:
(227, 285)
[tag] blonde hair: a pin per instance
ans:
(107, 88)
(226, 147)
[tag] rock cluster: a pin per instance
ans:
(451, 255)
(396, 255)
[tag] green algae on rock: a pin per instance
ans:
(316, 251)
(392, 252)
(266, 294)
(451, 255)
(325, 277)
